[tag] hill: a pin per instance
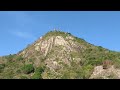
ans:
(60, 55)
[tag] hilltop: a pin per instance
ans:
(60, 55)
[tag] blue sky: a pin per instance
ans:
(20, 28)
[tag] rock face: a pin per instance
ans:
(59, 40)
(54, 51)
(111, 72)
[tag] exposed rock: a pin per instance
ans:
(47, 45)
(37, 48)
(59, 40)
(111, 72)
(69, 38)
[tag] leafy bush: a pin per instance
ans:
(19, 58)
(2, 66)
(30, 60)
(18, 71)
(27, 69)
(10, 57)
(100, 48)
(86, 71)
(117, 63)
(38, 73)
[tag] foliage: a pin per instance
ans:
(2, 66)
(10, 57)
(86, 71)
(117, 63)
(19, 58)
(38, 72)
(27, 69)
(56, 33)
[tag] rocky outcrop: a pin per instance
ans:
(110, 73)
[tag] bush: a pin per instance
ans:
(18, 71)
(30, 60)
(38, 73)
(19, 58)
(10, 57)
(2, 66)
(100, 48)
(27, 69)
(85, 71)
(117, 64)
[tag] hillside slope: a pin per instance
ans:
(58, 55)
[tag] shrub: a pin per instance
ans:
(18, 71)
(117, 64)
(100, 48)
(85, 71)
(2, 66)
(30, 60)
(19, 58)
(28, 69)
(38, 73)
(10, 57)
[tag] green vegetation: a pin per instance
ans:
(19, 58)
(86, 71)
(38, 72)
(117, 63)
(27, 69)
(10, 57)
(56, 33)
(2, 66)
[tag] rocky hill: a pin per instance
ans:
(60, 55)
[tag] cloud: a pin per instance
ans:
(25, 35)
